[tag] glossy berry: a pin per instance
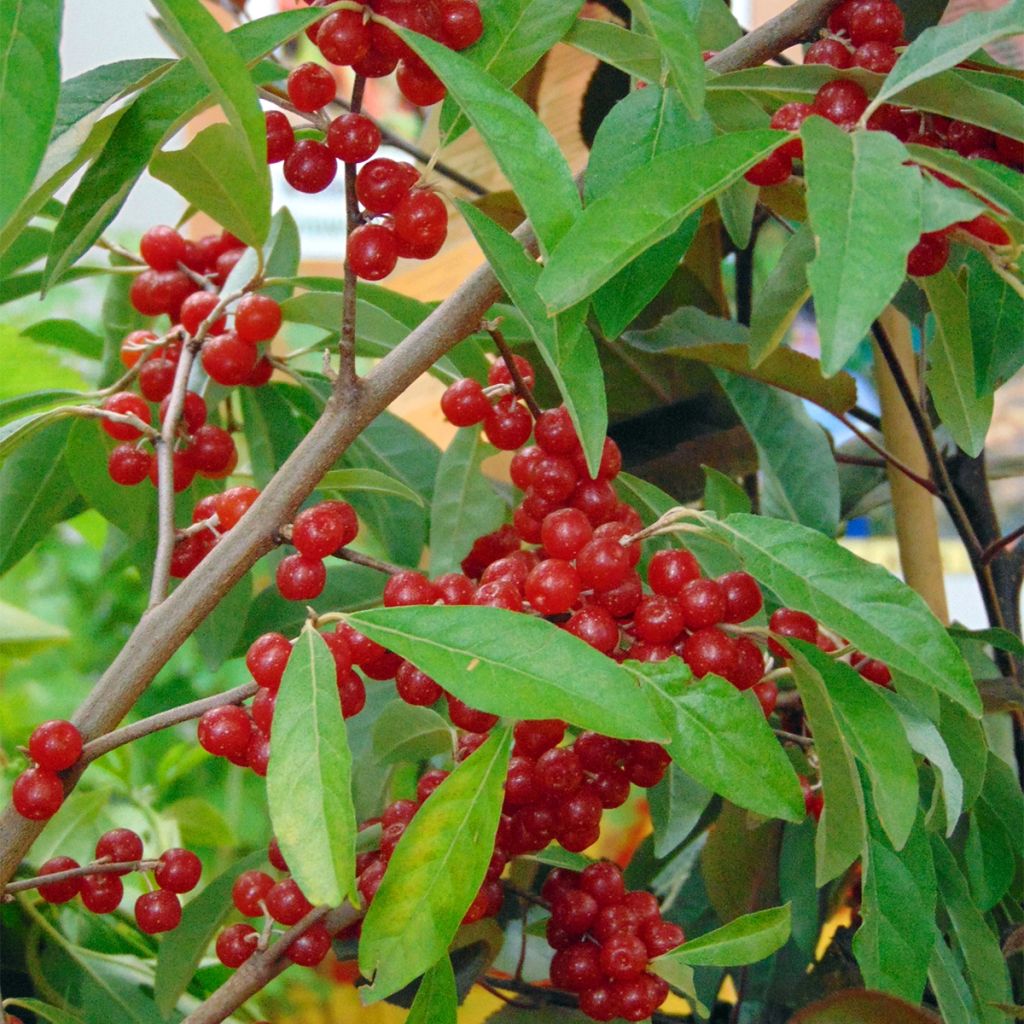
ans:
(249, 891)
(743, 598)
(710, 650)
(280, 136)
(987, 229)
(603, 880)
(372, 251)
(623, 956)
(658, 620)
(507, 425)
(227, 359)
(872, 21)
(225, 732)
(310, 947)
(178, 870)
(160, 291)
(875, 56)
(774, 169)
(102, 894)
(60, 892)
(233, 503)
(418, 84)
(212, 450)
(275, 856)
(408, 588)
(498, 373)
(789, 118)
(703, 603)
(552, 587)
(353, 138)
(156, 379)
(576, 967)
(37, 794)
(421, 218)
(286, 904)
(603, 564)
(669, 571)
(929, 256)
(125, 403)
(841, 101)
(182, 471)
(461, 24)
(767, 693)
(300, 578)
(830, 52)
(310, 167)
(55, 745)
(257, 318)
(416, 687)
(470, 719)
(236, 944)
(134, 344)
(595, 626)
(464, 403)
(661, 936)
(157, 911)
(319, 531)
(382, 184)
(310, 87)
(814, 799)
(343, 38)
(162, 248)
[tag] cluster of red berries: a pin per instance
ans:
(604, 937)
(38, 791)
(176, 871)
(316, 533)
(865, 34)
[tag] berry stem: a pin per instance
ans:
(792, 737)
(96, 868)
(94, 413)
(887, 457)
(1003, 542)
(491, 327)
(347, 380)
(358, 558)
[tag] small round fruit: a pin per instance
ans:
(225, 732)
(774, 169)
(227, 359)
(102, 894)
(257, 318)
(125, 403)
(236, 944)
(929, 256)
(64, 891)
(310, 87)
(300, 578)
(162, 248)
(37, 794)
(55, 745)
(353, 138)
(372, 251)
(157, 911)
(319, 531)
(310, 167)
(280, 136)
(178, 870)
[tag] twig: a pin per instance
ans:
(792, 737)
(1003, 542)
(129, 419)
(97, 868)
(358, 558)
(522, 388)
(858, 460)
(887, 456)
(867, 418)
(347, 381)
(163, 720)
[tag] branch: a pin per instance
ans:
(887, 457)
(520, 385)
(358, 558)
(96, 868)
(1003, 542)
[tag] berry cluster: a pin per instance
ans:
(604, 937)
(865, 34)
(176, 871)
(38, 792)
(316, 533)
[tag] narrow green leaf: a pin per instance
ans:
(722, 495)
(944, 46)
(631, 52)
(676, 803)
(801, 477)
(974, 174)
(744, 940)
(272, 430)
(1002, 639)
(435, 871)
(864, 210)
(346, 480)
(221, 631)
(956, 1004)
(437, 1001)
(204, 173)
(987, 975)
(842, 828)
(66, 334)
(951, 372)
(883, 617)
(523, 148)
(309, 779)
(404, 732)
(736, 206)
(515, 665)
(41, 1010)
(996, 312)
(465, 504)
(565, 345)
(670, 25)
(182, 949)
(29, 87)
(517, 33)
(602, 241)
(23, 634)
(716, 732)
(782, 295)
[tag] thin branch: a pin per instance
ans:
(886, 455)
(97, 868)
(163, 720)
(792, 737)
(347, 381)
(1003, 542)
(869, 419)
(522, 388)
(129, 419)
(858, 460)
(358, 558)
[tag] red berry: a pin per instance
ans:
(286, 903)
(157, 911)
(533, 738)
(875, 671)
(558, 771)
(311, 86)
(574, 911)
(703, 603)
(872, 21)
(319, 531)
(343, 38)
(249, 891)
(178, 870)
(774, 169)
(161, 291)
(461, 24)
(789, 118)
(162, 248)
(257, 318)
(421, 218)
(353, 138)
(233, 503)
(576, 967)
(876, 56)
(595, 626)
(767, 694)
(134, 345)
(658, 620)
(382, 184)
(408, 588)
(814, 798)
(987, 229)
(126, 403)
(156, 379)
(418, 84)
(603, 880)
(661, 936)
(193, 412)
(507, 424)
(212, 451)
(622, 600)
(275, 857)
(623, 956)
(236, 944)
(464, 403)
(119, 845)
(929, 256)
(300, 578)
(310, 947)
(554, 430)
(60, 892)
(37, 794)
(552, 587)
(470, 719)
(310, 166)
(225, 732)
(372, 251)
(841, 101)
(598, 1003)
(603, 564)
(749, 666)
(280, 136)
(829, 51)
(102, 894)
(55, 745)
(743, 597)
(669, 571)
(227, 359)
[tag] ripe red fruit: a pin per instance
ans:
(416, 687)
(225, 732)
(461, 24)
(408, 588)
(188, 553)
(767, 694)
(134, 345)
(382, 184)
(710, 650)
(987, 229)
(178, 870)
(310, 947)
(418, 84)
(669, 571)
(319, 531)
(372, 251)
(119, 845)
(228, 359)
(603, 564)
(661, 936)
(875, 56)
(343, 38)
(257, 318)
(300, 578)
(507, 424)
(814, 798)
(558, 771)
(623, 956)
(193, 412)
(470, 719)
(552, 587)
(157, 911)
(37, 794)
(236, 944)
(60, 892)
(353, 138)
(658, 620)
(233, 503)
(929, 256)
(774, 169)
(55, 745)
(603, 880)
(310, 167)
(286, 903)
(126, 403)
(742, 596)
(464, 403)
(574, 911)
(703, 603)
(878, 21)
(533, 738)
(249, 891)
(498, 372)
(554, 430)
(182, 471)
(280, 136)
(595, 626)
(421, 218)
(212, 450)
(841, 101)
(789, 118)
(311, 86)
(828, 51)
(160, 291)
(156, 379)
(162, 248)
(576, 967)
(102, 894)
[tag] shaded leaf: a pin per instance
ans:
(744, 940)
(676, 804)
(780, 298)
(23, 634)
(345, 480)
(722, 495)
(855, 1006)
(404, 732)
(631, 52)
(436, 999)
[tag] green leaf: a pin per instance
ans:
(29, 86)
(205, 174)
(690, 333)
(565, 345)
(66, 334)
(716, 733)
(517, 33)
(515, 665)
(676, 803)
(670, 25)
(947, 981)
(736, 206)
(782, 296)
(36, 492)
(182, 949)
(152, 118)
(972, 173)
(943, 46)
(437, 1001)
(523, 148)
(200, 823)
(951, 372)
(272, 430)
(602, 241)
(635, 54)
(864, 209)
(842, 828)
(646, 122)
(987, 975)
(309, 779)
(23, 634)
(881, 616)
(942, 206)
(744, 940)
(927, 741)
(877, 738)
(41, 1010)
(404, 732)
(801, 477)
(435, 871)
(345, 480)
(218, 634)
(996, 312)
(1002, 639)
(722, 495)
(465, 504)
